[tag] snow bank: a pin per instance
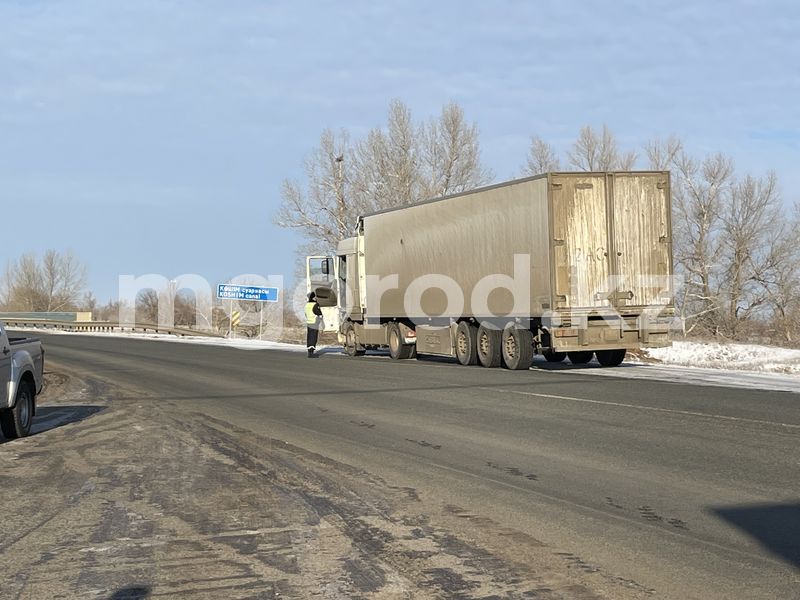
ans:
(744, 357)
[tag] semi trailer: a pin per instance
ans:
(574, 265)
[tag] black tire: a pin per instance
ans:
(467, 343)
(16, 422)
(489, 346)
(554, 357)
(351, 341)
(517, 347)
(397, 349)
(610, 358)
(580, 357)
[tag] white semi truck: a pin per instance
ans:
(562, 264)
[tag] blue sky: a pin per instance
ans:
(153, 136)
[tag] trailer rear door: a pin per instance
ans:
(581, 240)
(642, 238)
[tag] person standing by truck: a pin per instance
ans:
(313, 324)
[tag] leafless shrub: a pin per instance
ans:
(599, 152)
(53, 283)
(542, 158)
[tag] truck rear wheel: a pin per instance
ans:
(517, 348)
(554, 357)
(351, 341)
(16, 422)
(489, 346)
(580, 357)
(397, 349)
(467, 343)
(610, 358)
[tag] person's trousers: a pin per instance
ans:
(312, 334)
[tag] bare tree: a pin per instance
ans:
(783, 282)
(185, 307)
(107, 312)
(401, 163)
(54, 283)
(662, 153)
(599, 152)
(147, 306)
(699, 191)
(451, 155)
(542, 158)
(320, 209)
(385, 170)
(392, 166)
(751, 240)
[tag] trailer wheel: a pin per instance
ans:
(397, 349)
(554, 357)
(16, 422)
(610, 358)
(580, 357)
(517, 347)
(467, 343)
(489, 346)
(351, 341)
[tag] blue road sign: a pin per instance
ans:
(254, 293)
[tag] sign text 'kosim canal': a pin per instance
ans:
(247, 292)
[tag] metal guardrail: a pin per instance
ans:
(47, 316)
(105, 326)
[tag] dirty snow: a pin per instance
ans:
(744, 357)
(717, 377)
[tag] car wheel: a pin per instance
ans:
(16, 422)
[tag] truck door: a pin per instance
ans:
(580, 241)
(5, 366)
(642, 238)
(322, 279)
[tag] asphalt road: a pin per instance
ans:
(686, 490)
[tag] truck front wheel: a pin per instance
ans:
(16, 422)
(397, 349)
(489, 346)
(351, 345)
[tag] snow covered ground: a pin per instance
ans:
(697, 363)
(745, 357)
(700, 376)
(710, 363)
